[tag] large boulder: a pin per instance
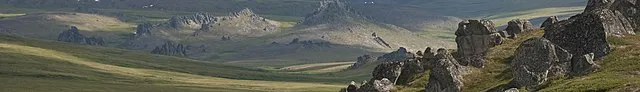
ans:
(534, 63)
(474, 38)
(411, 70)
(618, 17)
(171, 49)
(73, 35)
(381, 85)
(581, 34)
(517, 26)
(549, 21)
(445, 75)
(399, 55)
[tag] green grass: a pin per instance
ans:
(59, 66)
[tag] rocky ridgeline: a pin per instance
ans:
(330, 11)
(474, 38)
(73, 36)
(517, 26)
(171, 49)
(195, 21)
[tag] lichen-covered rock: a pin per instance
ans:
(582, 65)
(474, 38)
(411, 70)
(73, 35)
(581, 34)
(362, 60)
(389, 70)
(171, 49)
(445, 75)
(399, 55)
(549, 21)
(533, 63)
(381, 85)
(618, 17)
(517, 26)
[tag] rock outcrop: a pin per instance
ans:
(581, 34)
(411, 70)
(474, 38)
(582, 65)
(618, 17)
(445, 75)
(399, 55)
(518, 26)
(362, 60)
(384, 77)
(549, 21)
(194, 22)
(171, 49)
(143, 29)
(330, 11)
(73, 35)
(536, 60)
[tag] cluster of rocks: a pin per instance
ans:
(474, 38)
(362, 60)
(243, 22)
(143, 29)
(73, 35)
(195, 21)
(538, 59)
(171, 49)
(308, 43)
(445, 72)
(517, 26)
(399, 55)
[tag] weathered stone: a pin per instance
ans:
(389, 70)
(512, 90)
(474, 38)
(618, 17)
(171, 49)
(550, 21)
(330, 11)
(73, 35)
(534, 61)
(400, 55)
(352, 87)
(411, 70)
(362, 60)
(382, 85)
(582, 65)
(581, 34)
(518, 26)
(445, 75)
(195, 22)
(143, 29)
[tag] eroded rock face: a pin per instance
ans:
(73, 35)
(362, 60)
(518, 26)
(534, 62)
(384, 77)
(411, 70)
(474, 38)
(400, 55)
(195, 22)
(582, 65)
(171, 49)
(143, 29)
(618, 17)
(389, 70)
(549, 21)
(581, 34)
(445, 75)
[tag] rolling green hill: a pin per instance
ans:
(34, 65)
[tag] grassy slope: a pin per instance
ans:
(32, 65)
(619, 69)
